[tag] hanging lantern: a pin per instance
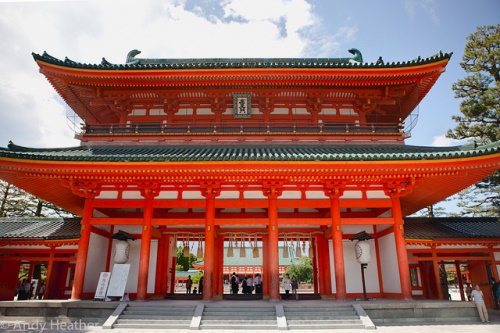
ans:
(285, 249)
(121, 248)
(121, 252)
(362, 247)
(298, 250)
(255, 250)
(363, 252)
(243, 252)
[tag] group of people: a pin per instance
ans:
(290, 284)
(189, 286)
(26, 290)
(476, 295)
(248, 285)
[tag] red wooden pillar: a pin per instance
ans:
(273, 247)
(265, 266)
(404, 268)
(314, 245)
(50, 268)
(219, 267)
(338, 247)
(379, 266)
(460, 281)
(437, 276)
(320, 281)
(142, 281)
(83, 250)
(327, 270)
(209, 288)
(110, 248)
(161, 265)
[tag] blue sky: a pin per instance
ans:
(85, 31)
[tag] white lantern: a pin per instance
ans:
(121, 252)
(363, 252)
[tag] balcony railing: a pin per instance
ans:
(250, 128)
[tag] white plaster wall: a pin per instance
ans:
(354, 282)
(133, 275)
(96, 261)
(389, 264)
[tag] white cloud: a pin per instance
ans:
(443, 141)
(85, 31)
(427, 6)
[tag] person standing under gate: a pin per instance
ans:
(189, 284)
(249, 284)
(258, 284)
(478, 299)
(494, 287)
(287, 286)
(234, 283)
(295, 287)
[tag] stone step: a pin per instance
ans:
(237, 326)
(238, 317)
(151, 326)
(154, 321)
(154, 317)
(320, 317)
(325, 326)
(231, 309)
(333, 312)
(156, 312)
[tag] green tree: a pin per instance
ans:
(479, 121)
(302, 269)
(16, 202)
(183, 263)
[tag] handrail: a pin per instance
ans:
(243, 127)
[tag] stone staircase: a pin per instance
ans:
(155, 316)
(327, 316)
(242, 317)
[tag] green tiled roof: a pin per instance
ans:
(452, 227)
(261, 152)
(415, 228)
(155, 64)
(39, 228)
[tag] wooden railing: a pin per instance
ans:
(246, 127)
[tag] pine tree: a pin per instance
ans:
(480, 109)
(15, 202)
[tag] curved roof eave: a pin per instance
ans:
(237, 63)
(256, 153)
